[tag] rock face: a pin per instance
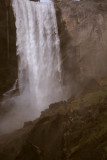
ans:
(83, 34)
(8, 59)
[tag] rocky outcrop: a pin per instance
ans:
(62, 133)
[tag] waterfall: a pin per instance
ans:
(38, 51)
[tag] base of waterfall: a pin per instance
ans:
(15, 111)
(76, 128)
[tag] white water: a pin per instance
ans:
(38, 50)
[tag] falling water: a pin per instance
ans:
(39, 77)
(38, 51)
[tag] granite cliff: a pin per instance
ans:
(83, 34)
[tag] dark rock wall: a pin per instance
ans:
(8, 59)
(83, 36)
(69, 64)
